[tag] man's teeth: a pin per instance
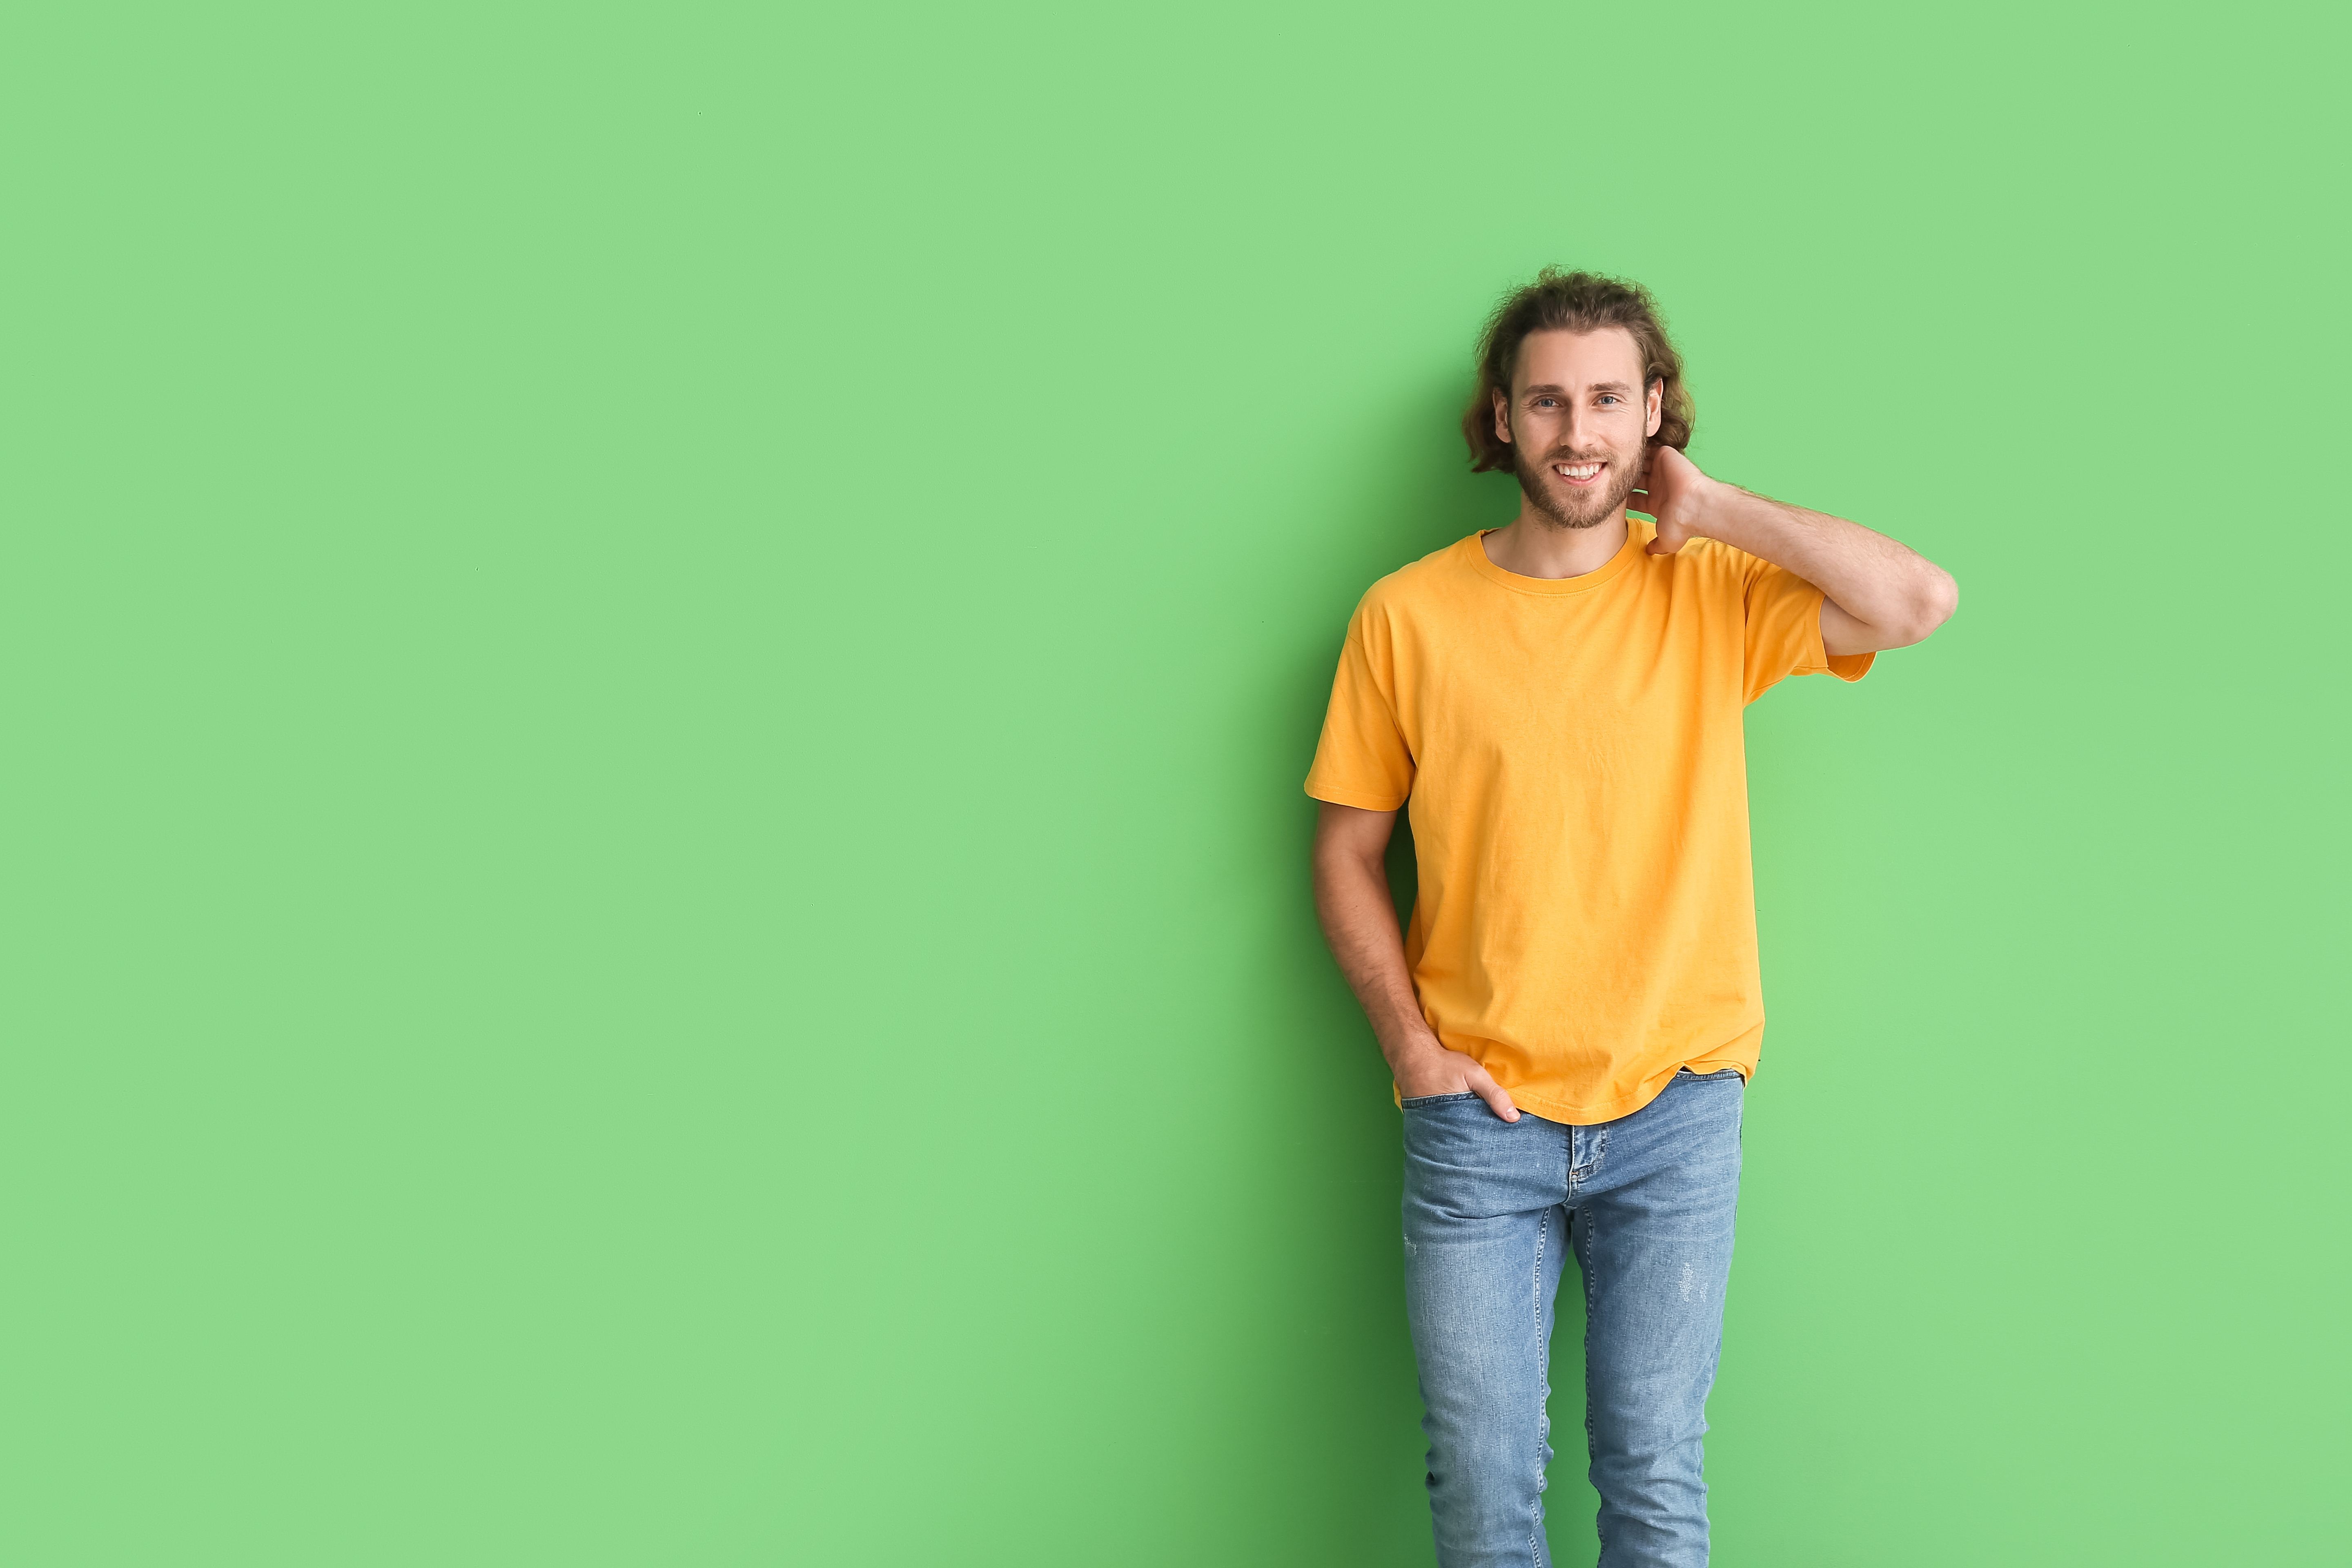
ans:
(1577, 470)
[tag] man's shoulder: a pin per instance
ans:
(1419, 585)
(1718, 558)
(1711, 566)
(1712, 555)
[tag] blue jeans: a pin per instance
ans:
(1491, 1208)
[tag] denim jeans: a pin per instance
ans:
(1646, 1202)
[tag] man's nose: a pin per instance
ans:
(1571, 428)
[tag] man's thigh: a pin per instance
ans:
(1478, 1192)
(1656, 1220)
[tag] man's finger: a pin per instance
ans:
(1487, 1090)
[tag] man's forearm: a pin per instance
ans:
(1875, 579)
(1351, 899)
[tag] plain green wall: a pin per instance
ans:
(657, 668)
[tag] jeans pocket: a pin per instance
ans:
(1419, 1102)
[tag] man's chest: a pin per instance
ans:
(1566, 686)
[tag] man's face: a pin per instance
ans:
(1578, 421)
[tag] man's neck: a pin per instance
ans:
(1534, 547)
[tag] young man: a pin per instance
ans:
(1573, 1015)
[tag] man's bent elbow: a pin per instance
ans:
(1931, 607)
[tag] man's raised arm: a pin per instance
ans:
(1881, 593)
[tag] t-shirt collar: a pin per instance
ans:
(1638, 535)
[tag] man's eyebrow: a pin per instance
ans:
(1619, 386)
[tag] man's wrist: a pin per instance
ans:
(1718, 512)
(1410, 1048)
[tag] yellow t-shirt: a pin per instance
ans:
(1572, 752)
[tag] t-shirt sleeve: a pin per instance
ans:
(1362, 759)
(1783, 635)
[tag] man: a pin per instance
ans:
(1573, 1015)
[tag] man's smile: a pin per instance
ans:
(1579, 473)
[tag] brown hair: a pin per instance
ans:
(1577, 302)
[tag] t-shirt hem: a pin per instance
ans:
(1362, 800)
(1584, 1115)
(1714, 1058)
(1850, 666)
(1820, 660)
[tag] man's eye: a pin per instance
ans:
(1607, 397)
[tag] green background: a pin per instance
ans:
(657, 668)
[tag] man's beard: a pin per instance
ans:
(1564, 506)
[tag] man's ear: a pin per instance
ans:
(1501, 417)
(1657, 402)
